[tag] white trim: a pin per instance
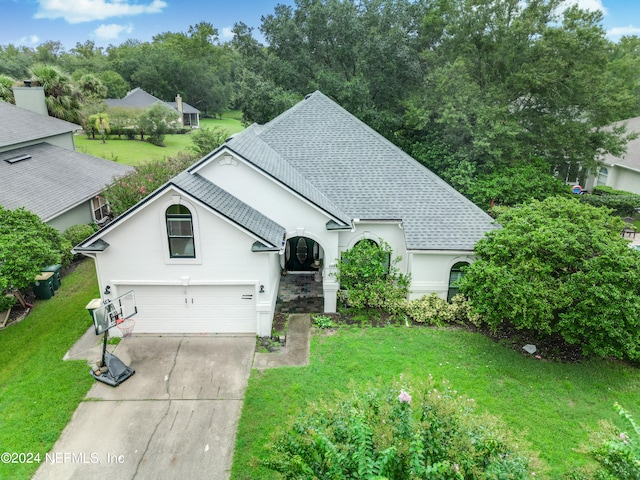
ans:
(168, 259)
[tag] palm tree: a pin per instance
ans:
(61, 96)
(101, 124)
(6, 91)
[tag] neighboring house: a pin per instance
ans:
(40, 169)
(205, 252)
(138, 98)
(621, 173)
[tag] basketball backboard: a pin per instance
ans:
(120, 308)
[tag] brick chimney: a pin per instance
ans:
(30, 98)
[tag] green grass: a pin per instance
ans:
(134, 152)
(38, 391)
(551, 405)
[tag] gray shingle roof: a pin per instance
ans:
(226, 204)
(18, 125)
(138, 98)
(631, 158)
(54, 179)
(251, 146)
(362, 174)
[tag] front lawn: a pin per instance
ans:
(38, 390)
(551, 405)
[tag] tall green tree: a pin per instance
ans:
(511, 81)
(156, 121)
(363, 53)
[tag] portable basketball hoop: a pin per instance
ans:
(126, 326)
(112, 313)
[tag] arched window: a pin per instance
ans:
(457, 272)
(180, 232)
(603, 175)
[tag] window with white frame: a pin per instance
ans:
(100, 209)
(603, 175)
(180, 232)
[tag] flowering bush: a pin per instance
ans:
(619, 456)
(434, 310)
(398, 432)
(128, 190)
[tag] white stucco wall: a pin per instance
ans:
(139, 254)
(298, 216)
(430, 271)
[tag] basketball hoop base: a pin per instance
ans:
(117, 372)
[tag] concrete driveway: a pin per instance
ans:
(176, 418)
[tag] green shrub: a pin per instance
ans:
(75, 234)
(621, 204)
(6, 302)
(322, 321)
(560, 269)
(397, 432)
(371, 277)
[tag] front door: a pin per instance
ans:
(300, 254)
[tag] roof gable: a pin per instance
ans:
(363, 174)
(18, 125)
(271, 234)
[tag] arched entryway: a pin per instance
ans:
(302, 254)
(301, 286)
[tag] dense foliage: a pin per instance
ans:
(129, 189)
(205, 140)
(472, 88)
(398, 432)
(370, 277)
(560, 268)
(26, 246)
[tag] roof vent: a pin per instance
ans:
(17, 159)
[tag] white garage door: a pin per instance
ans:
(194, 308)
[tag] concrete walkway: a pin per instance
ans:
(296, 351)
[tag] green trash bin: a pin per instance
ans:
(43, 286)
(57, 277)
(92, 305)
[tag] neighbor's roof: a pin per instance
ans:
(18, 125)
(138, 98)
(53, 179)
(361, 174)
(631, 158)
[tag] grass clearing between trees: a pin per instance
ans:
(551, 405)
(135, 152)
(38, 390)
